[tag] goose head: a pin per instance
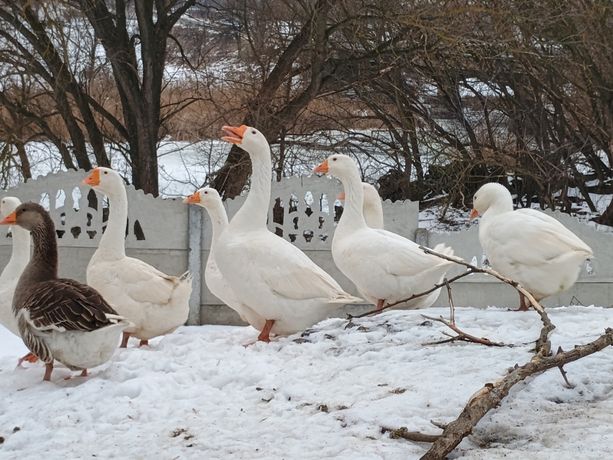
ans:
(338, 165)
(491, 196)
(206, 197)
(8, 204)
(27, 215)
(105, 180)
(247, 138)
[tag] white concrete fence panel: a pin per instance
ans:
(174, 237)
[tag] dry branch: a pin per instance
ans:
(492, 394)
(414, 296)
(462, 336)
(404, 433)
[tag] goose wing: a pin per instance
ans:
(291, 274)
(530, 237)
(66, 305)
(144, 283)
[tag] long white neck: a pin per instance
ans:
(499, 206)
(113, 241)
(219, 221)
(373, 214)
(254, 212)
(20, 255)
(352, 217)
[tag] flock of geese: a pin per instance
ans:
(272, 285)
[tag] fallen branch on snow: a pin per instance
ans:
(404, 433)
(492, 394)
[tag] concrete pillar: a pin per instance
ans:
(194, 262)
(421, 237)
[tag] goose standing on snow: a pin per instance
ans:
(154, 302)
(59, 319)
(210, 200)
(267, 273)
(527, 245)
(20, 256)
(385, 267)
(373, 208)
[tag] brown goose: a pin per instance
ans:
(59, 319)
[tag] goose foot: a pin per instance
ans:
(143, 343)
(523, 304)
(48, 370)
(82, 374)
(380, 304)
(30, 358)
(124, 340)
(265, 334)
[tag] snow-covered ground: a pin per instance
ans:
(199, 393)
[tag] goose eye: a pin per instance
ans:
(333, 159)
(253, 131)
(206, 193)
(106, 172)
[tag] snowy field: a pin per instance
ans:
(199, 393)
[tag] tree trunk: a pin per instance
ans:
(26, 172)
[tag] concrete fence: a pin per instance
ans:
(175, 237)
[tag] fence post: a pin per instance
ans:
(194, 261)
(421, 237)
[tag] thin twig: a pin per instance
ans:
(404, 433)
(451, 305)
(414, 296)
(440, 425)
(563, 372)
(462, 336)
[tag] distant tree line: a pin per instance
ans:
(441, 95)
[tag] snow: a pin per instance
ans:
(199, 393)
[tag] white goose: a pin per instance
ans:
(385, 267)
(20, 256)
(266, 272)
(210, 200)
(373, 208)
(527, 245)
(154, 302)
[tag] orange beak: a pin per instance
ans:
(322, 168)
(234, 135)
(194, 198)
(341, 196)
(10, 219)
(93, 179)
(473, 214)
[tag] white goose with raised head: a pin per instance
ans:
(384, 266)
(373, 207)
(266, 272)
(156, 303)
(20, 256)
(209, 199)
